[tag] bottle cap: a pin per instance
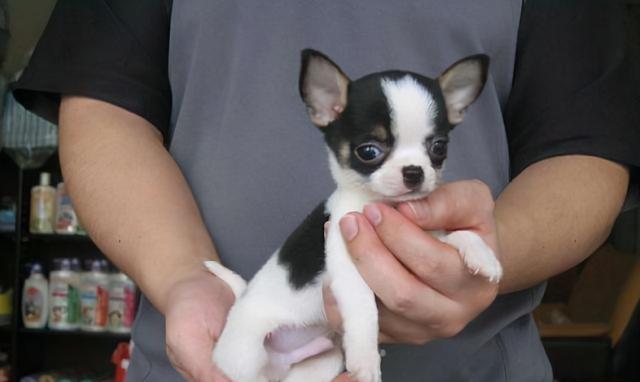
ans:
(96, 266)
(65, 264)
(75, 264)
(45, 178)
(36, 268)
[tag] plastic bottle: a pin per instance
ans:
(34, 299)
(94, 298)
(62, 293)
(74, 292)
(43, 204)
(122, 303)
(66, 219)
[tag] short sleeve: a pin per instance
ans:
(112, 50)
(576, 86)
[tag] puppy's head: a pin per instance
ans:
(388, 132)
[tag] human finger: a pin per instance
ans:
(452, 206)
(395, 286)
(432, 261)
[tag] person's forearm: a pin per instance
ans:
(555, 214)
(131, 195)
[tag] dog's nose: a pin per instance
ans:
(413, 176)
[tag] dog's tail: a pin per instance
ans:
(235, 282)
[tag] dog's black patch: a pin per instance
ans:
(303, 253)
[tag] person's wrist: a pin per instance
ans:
(185, 277)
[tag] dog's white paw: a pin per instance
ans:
(364, 366)
(476, 254)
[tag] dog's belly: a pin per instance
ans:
(270, 303)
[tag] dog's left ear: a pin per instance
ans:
(462, 83)
(323, 87)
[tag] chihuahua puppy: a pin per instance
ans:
(387, 136)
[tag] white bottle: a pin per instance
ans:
(34, 299)
(94, 298)
(62, 315)
(122, 303)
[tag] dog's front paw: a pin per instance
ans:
(364, 366)
(476, 254)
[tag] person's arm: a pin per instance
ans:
(131, 196)
(555, 214)
(138, 208)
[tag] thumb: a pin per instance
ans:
(452, 206)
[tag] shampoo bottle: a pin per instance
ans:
(43, 202)
(34, 299)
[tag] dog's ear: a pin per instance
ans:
(462, 83)
(323, 87)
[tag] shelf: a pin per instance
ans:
(8, 235)
(73, 333)
(56, 238)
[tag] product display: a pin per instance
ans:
(6, 308)
(122, 303)
(91, 300)
(66, 219)
(94, 298)
(35, 299)
(43, 204)
(7, 214)
(64, 312)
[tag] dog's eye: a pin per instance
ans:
(370, 153)
(438, 148)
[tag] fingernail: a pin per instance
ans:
(372, 212)
(349, 227)
(420, 210)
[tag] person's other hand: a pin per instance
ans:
(197, 308)
(424, 290)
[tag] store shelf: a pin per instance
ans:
(73, 333)
(56, 238)
(7, 235)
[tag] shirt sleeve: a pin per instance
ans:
(111, 50)
(576, 87)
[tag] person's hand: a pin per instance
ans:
(424, 290)
(197, 308)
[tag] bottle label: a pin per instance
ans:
(122, 306)
(33, 305)
(94, 304)
(129, 306)
(73, 305)
(59, 294)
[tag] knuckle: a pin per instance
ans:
(403, 300)
(429, 266)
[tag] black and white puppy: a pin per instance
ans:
(387, 136)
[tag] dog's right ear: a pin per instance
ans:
(323, 87)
